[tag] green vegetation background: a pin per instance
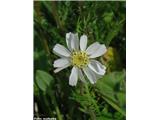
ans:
(104, 22)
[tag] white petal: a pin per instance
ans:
(68, 40)
(100, 51)
(72, 41)
(68, 35)
(61, 68)
(61, 62)
(93, 48)
(97, 67)
(98, 76)
(75, 42)
(90, 75)
(60, 50)
(83, 42)
(73, 77)
(81, 76)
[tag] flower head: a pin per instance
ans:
(81, 58)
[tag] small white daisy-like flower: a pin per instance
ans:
(81, 58)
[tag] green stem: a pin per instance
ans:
(56, 106)
(93, 102)
(57, 109)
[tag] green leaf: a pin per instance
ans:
(103, 118)
(36, 90)
(108, 17)
(121, 98)
(113, 78)
(109, 87)
(43, 79)
(115, 106)
(114, 32)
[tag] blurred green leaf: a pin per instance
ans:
(113, 32)
(110, 87)
(36, 90)
(108, 17)
(43, 79)
(121, 96)
(114, 105)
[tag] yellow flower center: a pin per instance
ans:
(80, 59)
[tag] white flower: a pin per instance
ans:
(80, 58)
